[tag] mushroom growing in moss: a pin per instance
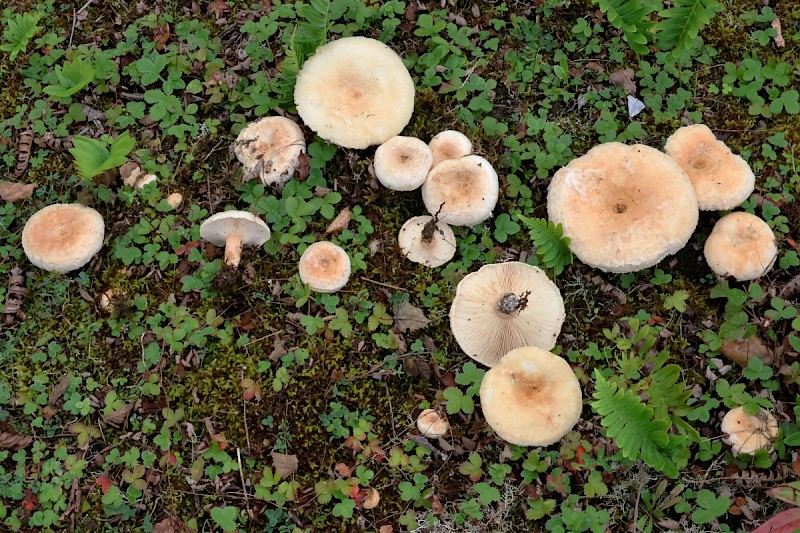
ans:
(427, 240)
(269, 149)
(449, 144)
(63, 237)
(741, 245)
(402, 163)
(234, 229)
(748, 433)
(325, 267)
(463, 190)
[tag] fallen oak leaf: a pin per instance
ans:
(408, 317)
(13, 192)
(285, 464)
(340, 222)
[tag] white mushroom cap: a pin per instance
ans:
(748, 433)
(741, 245)
(624, 208)
(505, 306)
(449, 144)
(174, 200)
(270, 149)
(234, 229)
(465, 189)
(402, 163)
(532, 398)
(721, 179)
(355, 92)
(325, 267)
(432, 424)
(63, 237)
(438, 250)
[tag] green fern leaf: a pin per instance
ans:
(93, 157)
(667, 392)
(630, 423)
(19, 30)
(681, 24)
(552, 247)
(72, 77)
(632, 17)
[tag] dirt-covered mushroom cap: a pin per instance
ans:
(721, 179)
(234, 229)
(532, 398)
(325, 267)
(623, 207)
(748, 433)
(63, 237)
(355, 92)
(402, 163)
(432, 424)
(741, 245)
(427, 241)
(464, 191)
(449, 144)
(505, 306)
(269, 149)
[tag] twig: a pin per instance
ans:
(241, 475)
(395, 287)
(244, 417)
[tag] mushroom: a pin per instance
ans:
(270, 149)
(427, 240)
(531, 398)
(63, 237)
(505, 306)
(234, 229)
(624, 208)
(402, 163)
(355, 92)
(174, 200)
(449, 144)
(721, 179)
(464, 190)
(432, 424)
(741, 245)
(325, 267)
(748, 433)
(372, 499)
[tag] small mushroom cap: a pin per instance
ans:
(372, 499)
(741, 245)
(721, 179)
(432, 424)
(440, 249)
(532, 398)
(325, 267)
(355, 92)
(251, 230)
(449, 144)
(270, 149)
(63, 237)
(484, 332)
(174, 200)
(748, 433)
(623, 207)
(402, 163)
(468, 187)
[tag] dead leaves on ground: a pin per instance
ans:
(14, 192)
(13, 440)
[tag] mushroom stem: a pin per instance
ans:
(509, 303)
(233, 250)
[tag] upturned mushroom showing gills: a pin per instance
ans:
(325, 266)
(427, 240)
(741, 245)
(234, 229)
(505, 306)
(465, 190)
(269, 149)
(63, 237)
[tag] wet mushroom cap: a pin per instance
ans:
(465, 189)
(721, 179)
(531, 398)
(402, 163)
(449, 144)
(355, 92)
(63, 237)
(325, 267)
(270, 149)
(741, 245)
(748, 433)
(439, 250)
(623, 207)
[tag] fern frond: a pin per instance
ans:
(552, 247)
(667, 392)
(632, 17)
(19, 30)
(92, 157)
(681, 23)
(630, 423)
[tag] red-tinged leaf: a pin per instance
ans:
(354, 492)
(104, 483)
(221, 440)
(785, 522)
(250, 389)
(171, 458)
(343, 470)
(789, 493)
(30, 501)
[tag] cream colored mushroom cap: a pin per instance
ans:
(449, 144)
(532, 398)
(270, 149)
(402, 163)
(485, 332)
(355, 92)
(440, 249)
(748, 433)
(325, 267)
(623, 207)
(63, 237)
(466, 189)
(741, 245)
(432, 424)
(248, 227)
(721, 179)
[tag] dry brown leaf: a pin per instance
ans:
(10, 439)
(303, 168)
(741, 350)
(130, 172)
(340, 222)
(386, 528)
(779, 42)
(59, 389)
(408, 317)
(120, 415)
(416, 367)
(624, 79)
(285, 464)
(13, 192)
(171, 525)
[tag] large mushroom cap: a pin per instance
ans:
(741, 245)
(449, 144)
(427, 241)
(234, 229)
(748, 433)
(325, 267)
(270, 149)
(624, 208)
(402, 163)
(721, 179)
(464, 191)
(532, 398)
(505, 306)
(355, 92)
(63, 237)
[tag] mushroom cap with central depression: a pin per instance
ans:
(463, 191)
(325, 266)
(63, 237)
(270, 149)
